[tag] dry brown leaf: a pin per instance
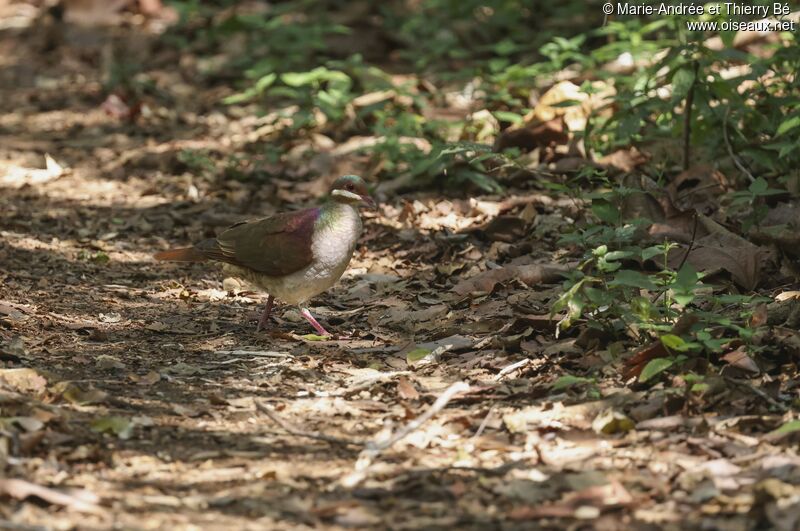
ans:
(406, 389)
(740, 359)
(550, 133)
(624, 160)
(507, 229)
(530, 274)
(23, 379)
(721, 250)
(83, 501)
(584, 504)
(698, 188)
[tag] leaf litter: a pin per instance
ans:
(148, 389)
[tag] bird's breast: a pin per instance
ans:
(335, 239)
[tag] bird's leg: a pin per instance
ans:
(263, 322)
(310, 318)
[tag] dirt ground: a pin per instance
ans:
(138, 395)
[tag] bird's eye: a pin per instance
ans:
(349, 187)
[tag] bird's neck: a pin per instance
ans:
(336, 213)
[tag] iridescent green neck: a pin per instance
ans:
(333, 211)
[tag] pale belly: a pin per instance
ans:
(332, 249)
(296, 288)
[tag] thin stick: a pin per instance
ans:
(685, 255)
(511, 368)
(292, 430)
(375, 447)
(256, 353)
(691, 242)
(369, 382)
(484, 423)
(687, 119)
(728, 145)
(758, 392)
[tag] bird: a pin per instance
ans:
(292, 256)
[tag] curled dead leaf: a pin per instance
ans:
(530, 274)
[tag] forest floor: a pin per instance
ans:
(138, 395)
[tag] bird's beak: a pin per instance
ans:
(369, 202)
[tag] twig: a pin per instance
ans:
(256, 353)
(14, 526)
(687, 118)
(728, 145)
(82, 501)
(369, 382)
(376, 447)
(484, 423)
(758, 392)
(691, 242)
(685, 255)
(511, 368)
(292, 430)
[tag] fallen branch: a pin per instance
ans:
(376, 447)
(739, 164)
(484, 423)
(755, 390)
(82, 501)
(293, 430)
(511, 368)
(256, 353)
(369, 382)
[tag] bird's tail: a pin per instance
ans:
(187, 254)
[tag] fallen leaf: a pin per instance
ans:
(611, 421)
(82, 501)
(106, 362)
(722, 250)
(406, 389)
(741, 360)
(114, 425)
(24, 379)
(148, 379)
(17, 177)
(530, 274)
(79, 395)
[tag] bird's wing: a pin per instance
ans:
(276, 246)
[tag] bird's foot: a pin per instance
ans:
(318, 327)
(263, 323)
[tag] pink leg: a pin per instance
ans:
(264, 321)
(310, 318)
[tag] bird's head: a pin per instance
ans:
(353, 190)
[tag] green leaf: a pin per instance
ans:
(650, 252)
(618, 255)
(685, 283)
(759, 186)
(417, 354)
(568, 380)
(727, 37)
(789, 427)
(119, 426)
(681, 83)
(100, 258)
(787, 125)
(606, 211)
(673, 342)
(314, 337)
(632, 279)
(655, 367)
(507, 116)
